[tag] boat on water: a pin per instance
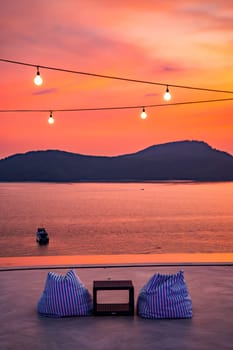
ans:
(42, 236)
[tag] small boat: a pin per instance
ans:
(42, 236)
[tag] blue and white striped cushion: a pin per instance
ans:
(64, 296)
(165, 296)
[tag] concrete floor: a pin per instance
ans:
(210, 287)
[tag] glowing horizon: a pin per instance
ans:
(188, 43)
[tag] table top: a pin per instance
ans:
(113, 284)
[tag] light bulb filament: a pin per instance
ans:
(167, 95)
(38, 80)
(51, 119)
(143, 114)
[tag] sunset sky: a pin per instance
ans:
(183, 42)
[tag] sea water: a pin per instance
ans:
(116, 218)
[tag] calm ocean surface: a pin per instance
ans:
(116, 218)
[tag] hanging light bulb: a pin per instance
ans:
(167, 95)
(38, 80)
(51, 119)
(143, 114)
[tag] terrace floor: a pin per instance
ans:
(210, 286)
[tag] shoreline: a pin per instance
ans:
(115, 260)
(161, 181)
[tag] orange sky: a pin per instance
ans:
(187, 42)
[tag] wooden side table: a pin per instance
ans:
(113, 297)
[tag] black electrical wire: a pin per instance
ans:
(112, 108)
(115, 77)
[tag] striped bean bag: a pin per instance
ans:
(165, 296)
(64, 296)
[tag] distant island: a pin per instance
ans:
(173, 161)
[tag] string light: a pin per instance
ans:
(143, 114)
(167, 95)
(38, 80)
(51, 119)
(116, 78)
(113, 107)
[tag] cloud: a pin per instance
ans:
(152, 94)
(210, 15)
(45, 91)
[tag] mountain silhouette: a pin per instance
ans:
(182, 160)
